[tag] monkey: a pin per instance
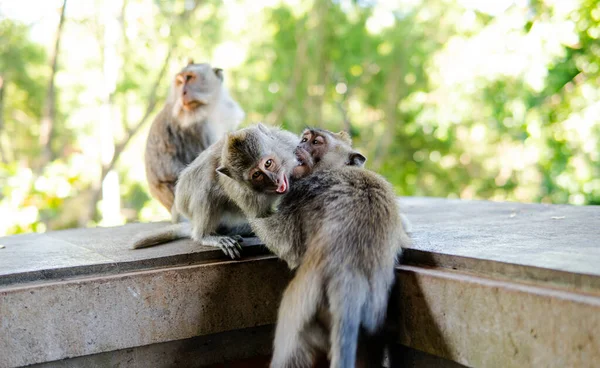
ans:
(335, 149)
(341, 230)
(198, 112)
(322, 149)
(201, 193)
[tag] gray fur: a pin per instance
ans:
(342, 230)
(201, 194)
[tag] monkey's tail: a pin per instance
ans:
(406, 224)
(348, 298)
(164, 235)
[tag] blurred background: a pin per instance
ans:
(468, 99)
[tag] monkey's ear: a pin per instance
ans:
(263, 128)
(344, 136)
(219, 73)
(190, 61)
(224, 171)
(356, 159)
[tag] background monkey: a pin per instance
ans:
(201, 193)
(198, 112)
(348, 224)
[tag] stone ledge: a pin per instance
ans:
(484, 322)
(58, 320)
(477, 280)
(99, 251)
(209, 351)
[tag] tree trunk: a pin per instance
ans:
(390, 108)
(319, 77)
(49, 110)
(276, 117)
(2, 154)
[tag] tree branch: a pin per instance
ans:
(49, 112)
(276, 116)
(152, 101)
(2, 154)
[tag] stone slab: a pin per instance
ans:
(83, 316)
(484, 322)
(562, 238)
(216, 350)
(59, 254)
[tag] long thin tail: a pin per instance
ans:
(346, 301)
(164, 235)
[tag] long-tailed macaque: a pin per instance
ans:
(198, 112)
(201, 193)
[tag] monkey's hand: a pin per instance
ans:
(305, 163)
(230, 245)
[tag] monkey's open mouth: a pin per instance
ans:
(283, 184)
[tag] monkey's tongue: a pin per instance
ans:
(283, 184)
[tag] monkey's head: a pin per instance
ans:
(321, 149)
(256, 158)
(194, 88)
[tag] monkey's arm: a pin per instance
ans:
(281, 233)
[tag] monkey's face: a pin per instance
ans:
(253, 157)
(196, 86)
(268, 176)
(327, 150)
(316, 143)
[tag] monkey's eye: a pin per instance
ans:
(315, 142)
(256, 175)
(188, 78)
(268, 163)
(304, 140)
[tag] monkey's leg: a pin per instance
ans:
(293, 341)
(163, 191)
(240, 229)
(206, 224)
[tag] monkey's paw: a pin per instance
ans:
(231, 246)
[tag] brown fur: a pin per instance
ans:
(186, 126)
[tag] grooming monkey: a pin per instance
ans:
(343, 227)
(320, 149)
(198, 112)
(201, 193)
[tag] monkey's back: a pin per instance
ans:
(199, 190)
(169, 149)
(353, 233)
(350, 216)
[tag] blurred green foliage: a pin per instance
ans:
(445, 98)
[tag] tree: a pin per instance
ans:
(49, 110)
